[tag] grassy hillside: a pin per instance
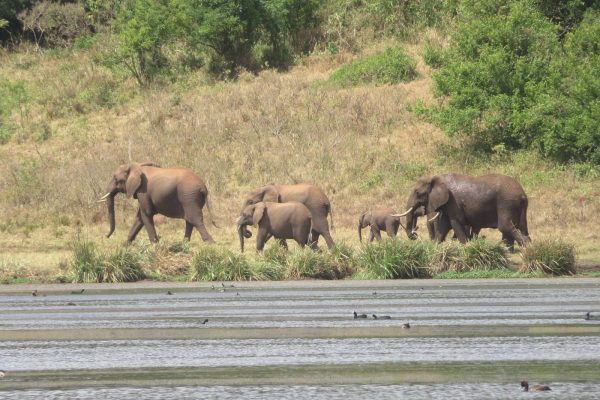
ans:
(76, 119)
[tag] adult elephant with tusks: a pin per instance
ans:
(311, 196)
(469, 204)
(172, 192)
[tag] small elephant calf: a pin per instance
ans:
(382, 219)
(291, 220)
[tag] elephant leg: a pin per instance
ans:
(314, 238)
(149, 225)
(509, 241)
(135, 229)
(371, 236)
(197, 220)
(376, 232)
(189, 228)
(459, 231)
(321, 227)
(281, 242)
(391, 229)
(261, 238)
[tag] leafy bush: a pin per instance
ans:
(397, 259)
(433, 54)
(213, 263)
(389, 67)
(508, 81)
(240, 33)
(55, 23)
(551, 256)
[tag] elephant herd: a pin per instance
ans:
(463, 203)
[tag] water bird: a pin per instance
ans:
(34, 293)
(2, 373)
(77, 291)
(356, 316)
(406, 326)
(381, 317)
(71, 304)
(534, 388)
(374, 293)
(589, 316)
(169, 293)
(205, 321)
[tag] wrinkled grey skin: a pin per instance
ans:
(470, 203)
(172, 192)
(291, 220)
(309, 195)
(379, 219)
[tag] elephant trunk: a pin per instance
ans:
(360, 230)
(411, 222)
(110, 203)
(241, 235)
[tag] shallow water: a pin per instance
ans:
(560, 390)
(314, 347)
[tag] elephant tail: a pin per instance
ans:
(330, 211)
(210, 214)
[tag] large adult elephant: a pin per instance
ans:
(471, 203)
(172, 192)
(309, 195)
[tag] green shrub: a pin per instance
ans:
(481, 254)
(550, 256)
(306, 263)
(389, 67)
(268, 271)
(122, 265)
(433, 54)
(85, 264)
(213, 263)
(55, 23)
(397, 259)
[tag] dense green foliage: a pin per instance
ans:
(391, 66)
(223, 35)
(508, 80)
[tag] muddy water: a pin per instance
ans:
(467, 340)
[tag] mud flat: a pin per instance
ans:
(468, 339)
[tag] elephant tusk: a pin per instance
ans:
(403, 214)
(434, 217)
(101, 201)
(103, 198)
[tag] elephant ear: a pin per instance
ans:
(134, 180)
(259, 211)
(271, 194)
(438, 195)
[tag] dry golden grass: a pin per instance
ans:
(360, 145)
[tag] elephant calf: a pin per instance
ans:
(382, 219)
(291, 220)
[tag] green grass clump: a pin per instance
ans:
(433, 54)
(89, 265)
(550, 256)
(476, 255)
(391, 66)
(484, 255)
(214, 263)
(123, 265)
(86, 263)
(268, 271)
(394, 259)
(306, 263)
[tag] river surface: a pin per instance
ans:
(467, 339)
